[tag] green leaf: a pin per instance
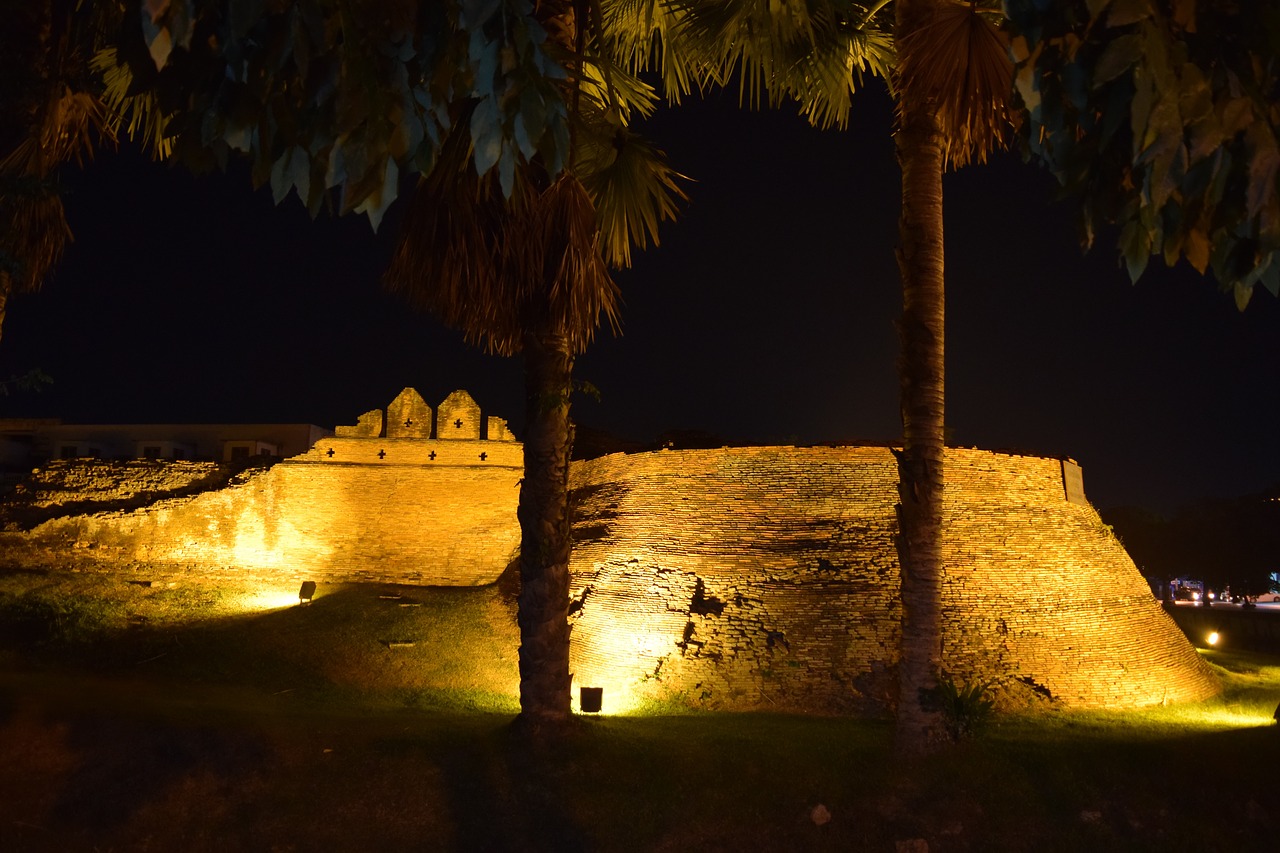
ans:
(523, 142)
(1119, 57)
(1236, 115)
(486, 68)
(300, 173)
(486, 135)
(280, 183)
(376, 203)
(1243, 293)
(1135, 248)
(1195, 100)
(1144, 99)
(1264, 161)
(1271, 278)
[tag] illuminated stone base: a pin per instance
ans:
(767, 578)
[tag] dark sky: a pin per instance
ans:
(766, 315)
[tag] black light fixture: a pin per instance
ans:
(307, 592)
(590, 699)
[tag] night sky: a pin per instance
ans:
(767, 315)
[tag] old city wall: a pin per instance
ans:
(736, 578)
(767, 577)
(350, 509)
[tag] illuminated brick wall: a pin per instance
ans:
(738, 577)
(350, 509)
(767, 578)
(85, 485)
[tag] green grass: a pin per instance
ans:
(160, 718)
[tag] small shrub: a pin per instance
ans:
(966, 708)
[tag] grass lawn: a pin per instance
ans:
(187, 718)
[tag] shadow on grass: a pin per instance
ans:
(303, 728)
(126, 765)
(501, 796)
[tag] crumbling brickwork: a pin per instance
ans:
(79, 486)
(767, 577)
(350, 509)
(763, 577)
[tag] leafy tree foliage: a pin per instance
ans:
(1162, 117)
(52, 117)
(341, 97)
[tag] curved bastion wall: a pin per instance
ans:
(767, 577)
(761, 577)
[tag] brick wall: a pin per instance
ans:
(375, 510)
(737, 577)
(767, 577)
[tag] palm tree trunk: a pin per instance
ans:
(544, 525)
(920, 465)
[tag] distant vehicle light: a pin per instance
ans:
(1195, 596)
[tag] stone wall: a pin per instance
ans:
(350, 509)
(767, 578)
(78, 486)
(740, 578)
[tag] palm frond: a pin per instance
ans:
(74, 125)
(498, 267)
(33, 233)
(142, 110)
(631, 185)
(565, 243)
(812, 52)
(59, 121)
(607, 86)
(958, 59)
(648, 36)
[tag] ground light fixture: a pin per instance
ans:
(1212, 638)
(307, 592)
(591, 699)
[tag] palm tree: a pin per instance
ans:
(523, 269)
(953, 80)
(507, 238)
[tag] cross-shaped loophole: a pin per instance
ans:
(483, 456)
(408, 421)
(458, 423)
(382, 454)
(432, 456)
(330, 453)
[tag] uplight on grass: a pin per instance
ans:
(268, 599)
(1212, 638)
(613, 699)
(1232, 718)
